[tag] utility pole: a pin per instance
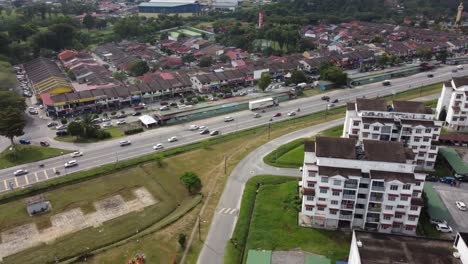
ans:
(199, 229)
(225, 164)
(269, 128)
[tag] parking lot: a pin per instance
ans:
(449, 196)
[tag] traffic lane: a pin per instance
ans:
(449, 196)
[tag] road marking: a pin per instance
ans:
(37, 178)
(6, 184)
(26, 179)
(16, 182)
(227, 211)
(47, 176)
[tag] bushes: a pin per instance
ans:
(134, 131)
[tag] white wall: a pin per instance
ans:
(354, 257)
(462, 249)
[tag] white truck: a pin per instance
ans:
(261, 103)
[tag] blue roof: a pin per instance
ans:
(166, 4)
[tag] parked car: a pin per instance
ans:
(20, 172)
(106, 119)
(432, 178)
(136, 114)
(444, 228)
(173, 104)
(461, 205)
(277, 115)
(437, 221)
(447, 180)
(138, 107)
(61, 133)
(44, 143)
(214, 133)
(228, 119)
(172, 139)
(164, 108)
(107, 125)
(257, 115)
(76, 154)
(164, 103)
(52, 124)
(121, 122)
(205, 131)
(121, 115)
(124, 143)
(461, 178)
(25, 141)
(158, 146)
(71, 163)
(292, 113)
(325, 98)
(62, 127)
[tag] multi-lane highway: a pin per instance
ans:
(109, 151)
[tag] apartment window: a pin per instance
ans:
(422, 147)
(430, 163)
(404, 198)
(436, 129)
(312, 174)
(375, 136)
(366, 126)
(418, 184)
(324, 191)
(418, 131)
(428, 130)
(421, 154)
(400, 206)
(413, 208)
(361, 196)
(387, 217)
(333, 212)
(324, 179)
(336, 193)
(355, 131)
(431, 155)
(336, 182)
(386, 129)
(310, 198)
(394, 187)
(414, 147)
(426, 139)
(376, 128)
(391, 198)
(365, 135)
(322, 199)
(321, 208)
(358, 216)
(407, 187)
(309, 208)
(399, 216)
(454, 118)
(411, 218)
(356, 123)
(334, 202)
(388, 207)
(363, 185)
(360, 206)
(416, 139)
(311, 185)
(409, 228)
(459, 96)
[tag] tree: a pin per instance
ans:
(205, 62)
(188, 58)
(383, 60)
(336, 75)
(191, 181)
(223, 58)
(89, 21)
(182, 240)
(75, 129)
(442, 56)
(64, 121)
(119, 75)
(12, 121)
(7, 76)
(264, 81)
(424, 53)
(138, 67)
(297, 77)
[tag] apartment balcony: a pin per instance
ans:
(346, 217)
(372, 219)
(376, 199)
(374, 209)
(349, 196)
(378, 188)
(347, 207)
(350, 186)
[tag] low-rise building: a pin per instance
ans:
(408, 122)
(370, 247)
(169, 7)
(453, 101)
(373, 185)
(46, 77)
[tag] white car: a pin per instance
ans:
(292, 113)
(121, 122)
(107, 125)
(124, 143)
(193, 127)
(201, 128)
(172, 139)
(20, 172)
(437, 221)
(70, 163)
(76, 154)
(158, 146)
(331, 105)
(461, 205)
(228, 119)
(444, 228)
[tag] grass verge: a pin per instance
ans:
(115, 132)
(26, 154)
(273, 225)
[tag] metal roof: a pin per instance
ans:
(455, 161)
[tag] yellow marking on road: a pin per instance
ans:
(6, 184)
(35, 175)
(16, 182)
(26, 179)
(47, 176)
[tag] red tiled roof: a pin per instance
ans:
(45, 97)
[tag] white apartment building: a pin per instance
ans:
(461, 245)
(454, 98)
(372, 186)
(408, 122)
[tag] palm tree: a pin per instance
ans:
(86, 120)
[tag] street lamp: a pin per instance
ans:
(63, 160)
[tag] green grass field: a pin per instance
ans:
(26, 154)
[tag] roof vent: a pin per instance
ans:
(456, 255)
(359, 243)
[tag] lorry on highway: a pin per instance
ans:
(261, 103)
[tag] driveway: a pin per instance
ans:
(449, 196)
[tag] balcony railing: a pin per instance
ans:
(372, 219)
(349, 196)
(375, 209)
(347, 206)
(350, 186)
(346, 217)
(378, 188)
(376, 199)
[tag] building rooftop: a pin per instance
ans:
(332, 171)
(371, 104)
(341, 148)
(461, 81)
(410, 107)
(380, 248)
(389, 151)
(392, 176)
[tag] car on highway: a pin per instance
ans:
(277, 115)
(76, 154)
(44, 143)
(228, 119)
(257, 115)
(193, 127)
(202, 127)
(158, 146)
(121, 122)
(292, 113)
(430, 75)
(454, 70)
(325, 98)
(124, 143)
(386, 83)
(204, 131)
(52, 124)
(25, 141)
(330, 105)
(20, 172)
(444, 228)
(461, 205)
(335, 101)
(214, 133)
(172, 139)
(71, 163)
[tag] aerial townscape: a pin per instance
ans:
(234, 131)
